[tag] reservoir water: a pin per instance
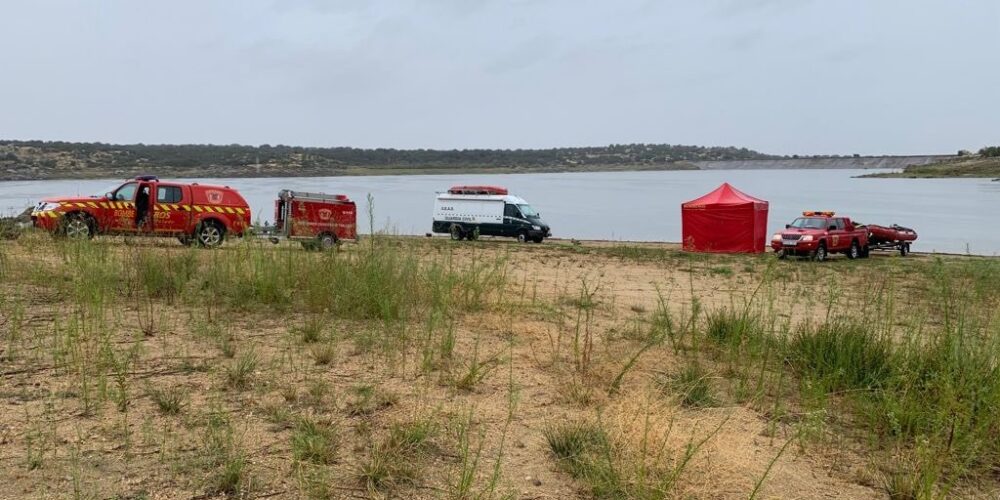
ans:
(950, 215)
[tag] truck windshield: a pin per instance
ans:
(527, 211)
(809, 223)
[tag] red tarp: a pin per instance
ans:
(725, 221)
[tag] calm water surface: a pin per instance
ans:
(950, 215)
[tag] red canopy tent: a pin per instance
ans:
(725, 221)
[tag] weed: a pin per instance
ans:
(369, 399)
(323, 353)
(693, 386)
(842, 355)
(314, 441)
(239, 374)
(169, 401)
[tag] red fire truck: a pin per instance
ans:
(318, 220)
(146, 206)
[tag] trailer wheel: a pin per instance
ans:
(782, 255)
(209, 234)
(904, 248)
(866, 252)
(820, 254)
(522, 236)
(456, 232)
(854, 252)
(327, 241)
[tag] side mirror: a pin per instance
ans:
(788, 226)
(109, 196)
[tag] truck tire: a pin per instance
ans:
(820, 254)
(185, 240)
(209, 234)
(855, 251)
(522, 236)
(78, 227)
(456, 232)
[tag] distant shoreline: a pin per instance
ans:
(244, 172)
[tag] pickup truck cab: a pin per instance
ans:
(145, 206)
(818, 234)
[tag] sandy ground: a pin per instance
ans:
(50, 447)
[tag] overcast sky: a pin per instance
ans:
(779, 76)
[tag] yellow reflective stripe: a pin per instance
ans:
(239, 211)
(104, 204)
(197, 208)
(92, 204)
(230, 210)
(80, 205)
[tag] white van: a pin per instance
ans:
(471, 211)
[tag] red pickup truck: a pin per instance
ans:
(145, 206)
(818, 234)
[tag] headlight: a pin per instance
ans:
(807, 237)
(536, 228)
(776, 237)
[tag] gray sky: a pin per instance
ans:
(779, 76)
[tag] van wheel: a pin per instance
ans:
(522, 237)
(904, 248)
(820, 254)
(210, 234)
(854, 252)
(456, 232)
(327, 241)
(77, 227)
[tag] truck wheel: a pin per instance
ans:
(185, 240)
(820, 254)
(854, 252)
(77, 227)
(327, 241)
(522, 237)
(456, 232)
(209, 234)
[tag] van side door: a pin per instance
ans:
(511, 220)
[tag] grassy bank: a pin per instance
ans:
(429, 369)
(963, 166)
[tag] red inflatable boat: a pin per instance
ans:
(894, 237)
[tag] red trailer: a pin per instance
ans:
(318, 220)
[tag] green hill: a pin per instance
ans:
(26, 160)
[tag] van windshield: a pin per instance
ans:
(809, 223)
(527, 211)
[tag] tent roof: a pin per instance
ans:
(723, 195)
